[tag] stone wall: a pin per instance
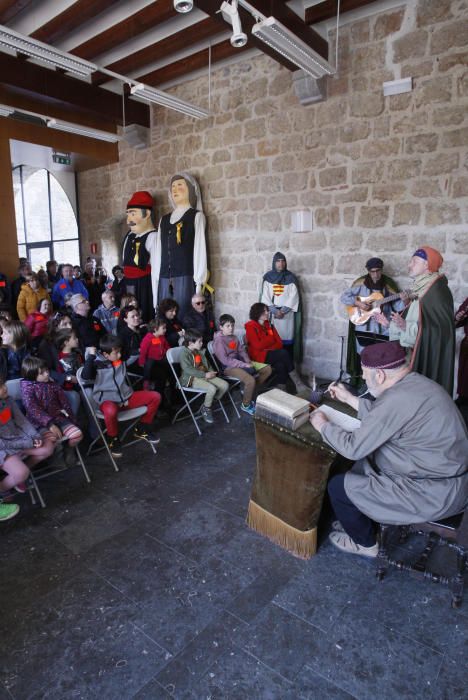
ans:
(381, 175)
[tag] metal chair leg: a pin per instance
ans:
(382, 556)
(223, 410)
(234, 404)
(85, 471)
(36, 488)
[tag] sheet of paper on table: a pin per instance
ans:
(339, 418)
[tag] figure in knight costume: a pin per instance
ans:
(280, 292)
(180, 262)
(138, 253)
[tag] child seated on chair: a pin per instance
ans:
(69, 358)
(236, 362)
(197, 372)
(112, 392)
(153, 349)
(37, 321)
(131, 335)
(20, 442)
(47, 406)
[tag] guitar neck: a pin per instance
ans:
(387, 300)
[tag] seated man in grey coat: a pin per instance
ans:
(410, 452)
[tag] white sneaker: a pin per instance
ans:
(344, 542)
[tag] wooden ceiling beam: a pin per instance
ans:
(10, 8)
(200, 31)
(150, 16)
(23, 101)
(64, 22)
(327, 10)
(196, 61)
(51, 86)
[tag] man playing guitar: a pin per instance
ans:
(367, 327)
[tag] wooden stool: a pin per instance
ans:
(451, 532)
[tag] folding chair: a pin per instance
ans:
(233, 382)
(42, 471)
(129, 415)
(173, 357)
(135, 378)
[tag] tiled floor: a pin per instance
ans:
(147, 584)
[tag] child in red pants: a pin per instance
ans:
(112, 392)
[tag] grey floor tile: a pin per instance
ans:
(323, 588)
(412, 607)
(202, 531)
(187, 668)
(237, 676)
(178, 612)
(79, 640)
(370, 661)
(247, 605)
(282, 641)
(311, 686)
(229, 491)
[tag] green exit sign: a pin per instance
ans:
(61, 158)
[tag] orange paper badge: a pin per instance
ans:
(5, 415)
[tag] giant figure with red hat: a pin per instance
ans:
(138, 252)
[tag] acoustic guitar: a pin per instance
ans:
(375, 301)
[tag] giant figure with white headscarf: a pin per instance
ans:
(180, 262)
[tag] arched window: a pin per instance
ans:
(46, 223)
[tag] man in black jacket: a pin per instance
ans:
(88, 329)
(200, 317)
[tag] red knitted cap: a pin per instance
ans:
(141, 200)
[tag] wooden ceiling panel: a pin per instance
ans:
(328, 9)
(71, 18)
(150, 16)
(10, 8)
(206, 29)
(196, 61)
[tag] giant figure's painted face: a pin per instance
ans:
(138, 220)
(180, 193)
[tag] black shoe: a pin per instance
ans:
(142, 433)
(115, 446)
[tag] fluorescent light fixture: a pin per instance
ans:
(83, 131)
(279, 38)
(6, 111)
(166, 100)
(44, 52)
(395, 87)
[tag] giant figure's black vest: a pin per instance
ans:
(177, 259)
(130, 250)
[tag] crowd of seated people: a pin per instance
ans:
(61, 319)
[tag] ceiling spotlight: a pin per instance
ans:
(231, 16)
(183, 6)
